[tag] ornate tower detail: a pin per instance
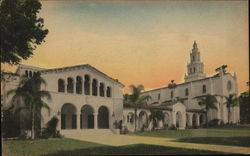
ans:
(195, 69)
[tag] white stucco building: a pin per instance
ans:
(178, 101)
(88, 102)
(85, 100)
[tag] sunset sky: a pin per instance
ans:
(145, 42)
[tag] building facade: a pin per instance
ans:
(178, 101)
(85, 100)
(88, 102)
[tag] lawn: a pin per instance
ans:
(234, 136)
(65, 147)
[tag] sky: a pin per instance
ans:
(144, 42)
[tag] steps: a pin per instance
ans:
(85, 132)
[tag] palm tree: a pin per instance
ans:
(209, 101)
(156, 115)
(136, 99)
(29, 90)
(231, 101)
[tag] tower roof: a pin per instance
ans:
(195, 45)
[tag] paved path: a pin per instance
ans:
(120, 140)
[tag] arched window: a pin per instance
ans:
(193, 58)
(108, 92)
(204, 89)
(94, 87)
(101, 89)
(194, 69)
(30, 74)
(172, 94)
(70, 86)
(78, 85)
(26, 73)
(86, 85)
(61, 86)
(190, 70)
(186, 92)
(38, 73)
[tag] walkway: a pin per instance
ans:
(120, 140)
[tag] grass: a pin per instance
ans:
(64, 146)
(234, 136)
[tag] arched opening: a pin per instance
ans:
(103, 117)
(143, 120)
(30, 74)
(202, 119)
(94, 87)
(178, 119)
(61, 85)
(70, 85)
(101, 89)
(86, 85)
(26, 73)
(78, 85)
(68, 116)
(166, 120)
(194, 120)
(108, 92)
(87, 117)
(194, 69)
(130, 117)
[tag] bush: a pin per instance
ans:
(195, 127)
(214, 122)
(172, 127)
(10, 124)
(125, 131)
(50, 129)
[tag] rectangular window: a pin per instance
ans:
(186, 92)
(159, 96)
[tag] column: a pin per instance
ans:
(90, 87)
(190, 120)
(173, 118)
(198, 119)
(95, 120)
(97, 90)
(104, 90)
(184, 120)
(78, 120)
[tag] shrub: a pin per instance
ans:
(125, 130)
(214, 122)
(10, 124)
(195, 127)
(50, 129)
(172, 127)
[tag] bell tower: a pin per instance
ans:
(195, 69)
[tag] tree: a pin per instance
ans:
(244, 107)
(209, 101)
(29, 90)
(21, 29)
(156, 115)
(231, 101)
(136, 99)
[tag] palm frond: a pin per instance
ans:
(143, 98)
(44, 94)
